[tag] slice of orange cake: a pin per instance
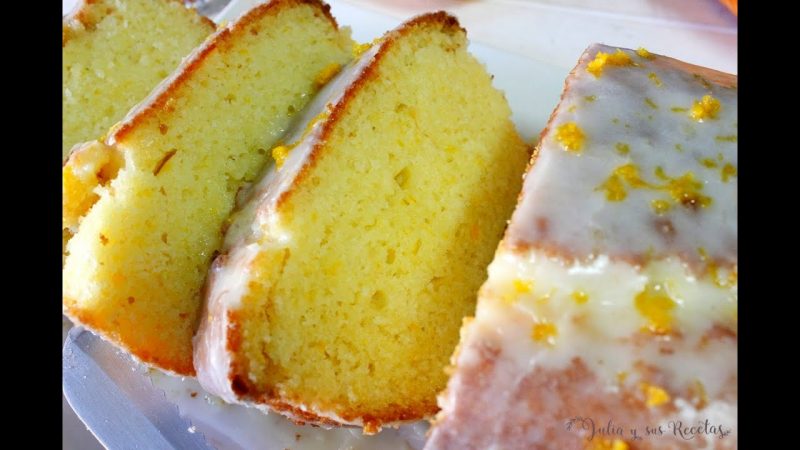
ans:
(144, 209)
(611, 303)
(114, 52)
(340, 290)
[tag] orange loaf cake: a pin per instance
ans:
(339, 293)
(611, 303)
(144, 209)
(114, 52)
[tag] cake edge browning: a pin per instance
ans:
(217, 321)
(149, 106)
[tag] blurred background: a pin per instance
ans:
(554, 32)
(698, 31)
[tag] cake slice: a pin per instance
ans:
(144, 209)
(611, 303)
(340, 290)
(114, 52)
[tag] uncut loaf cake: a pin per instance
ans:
(341, 286)
(612, 298)
(144, 209)
(114, 52)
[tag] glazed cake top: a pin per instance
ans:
(639, 161)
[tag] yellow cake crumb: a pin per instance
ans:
(99, 82)
(706, 108)
(92, 166)
(602, 59)
(570, 136)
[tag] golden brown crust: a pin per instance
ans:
(371, 423)
(197, 58)
(149, 355)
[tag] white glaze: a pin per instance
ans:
(562, 186)
(608, 319)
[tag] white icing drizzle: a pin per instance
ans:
(562, 187)
(599, 331)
